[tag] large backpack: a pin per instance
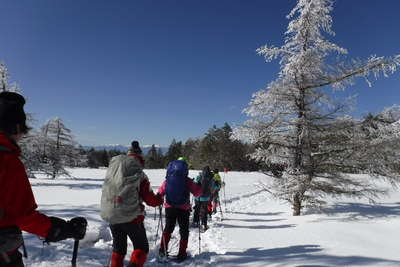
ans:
(177, 192)
(206, 180)
(120, 200)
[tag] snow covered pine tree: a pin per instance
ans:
(58, 147)
(296, 124)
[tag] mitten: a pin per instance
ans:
(61, 229)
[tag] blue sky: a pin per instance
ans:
(154, 70)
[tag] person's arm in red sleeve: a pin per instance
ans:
(35, 223)
(18, 206)
(162, 188)
(194, 188)
(28, 218)
(148, 195)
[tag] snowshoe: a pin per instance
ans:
(175, 258)
(179, 258)
(203, 228)
(162, 256)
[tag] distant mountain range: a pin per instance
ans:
(124, 148)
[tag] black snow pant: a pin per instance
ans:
(136, 233)
(13, 260)
(200, 211)
(182, 216)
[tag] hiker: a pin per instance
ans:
(177, 187)
(205, 178)
(17, 203)
(125, 189)
(215, 194)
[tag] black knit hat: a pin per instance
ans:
(12, 113)
(135, 147)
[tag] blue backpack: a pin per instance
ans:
(177, 192)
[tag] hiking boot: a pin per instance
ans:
(182, 255)
(204, 228)
(195, 224)
(164, 244)
(117, 260)
(138, 258)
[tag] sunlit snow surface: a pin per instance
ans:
(256, 230)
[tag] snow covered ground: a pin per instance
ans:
(255, 231)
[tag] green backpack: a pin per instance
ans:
(120, 200)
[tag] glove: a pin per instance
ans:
(61, 229)
(78, 225)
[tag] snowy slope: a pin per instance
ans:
(255, 231)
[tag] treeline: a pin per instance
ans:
(215, 149)
(100, 158)
(52, 148)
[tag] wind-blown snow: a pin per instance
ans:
(255, 231)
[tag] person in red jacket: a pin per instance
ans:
(17, 203)
(134, 228)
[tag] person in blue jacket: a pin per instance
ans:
(208, 184)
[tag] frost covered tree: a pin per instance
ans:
(5, 85)
(378, 143)
(58, 147)
(3, 77)
(296, 124)
(30, 148)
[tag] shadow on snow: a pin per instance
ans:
(257, 213)
(233, 199)
(91, 212)
(349, 211)
(80, 186)
(258, 227)
(309, 254)
(256, 220)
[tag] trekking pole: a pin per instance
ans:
(199, 239)
(75, 253)
(224, 191)
(220, 209)
(162, 233)
(158, 228)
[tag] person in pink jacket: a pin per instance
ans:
(177, 212)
